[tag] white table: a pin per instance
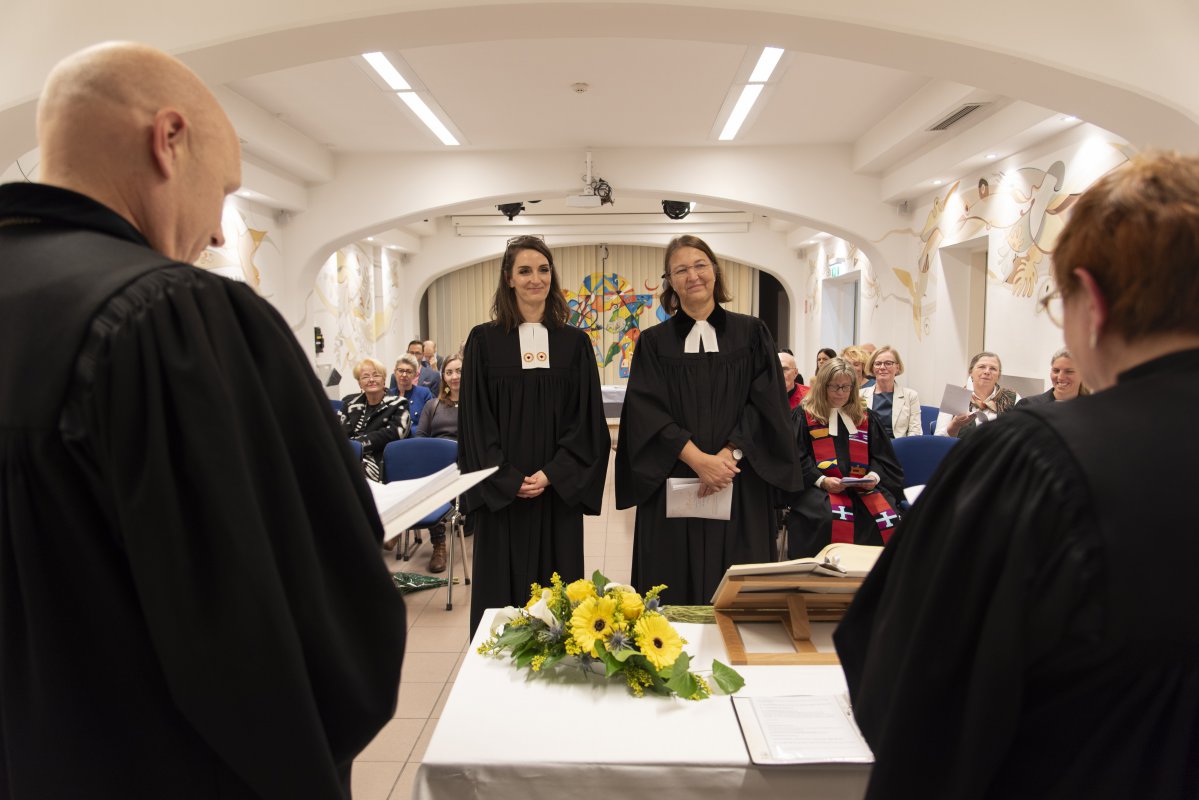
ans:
(566, 734)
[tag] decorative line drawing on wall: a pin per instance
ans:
(607, 304)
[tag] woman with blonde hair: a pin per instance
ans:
(851, 477)
(857, 357)
(372, 417)
(898, 407)
(1065, 382)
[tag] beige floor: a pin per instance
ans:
(436, 646)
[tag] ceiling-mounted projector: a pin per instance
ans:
(584, 201)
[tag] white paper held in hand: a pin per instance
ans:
(683, 500)
(404, 503)
(956, 400)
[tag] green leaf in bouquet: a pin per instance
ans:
(612, 664)
(514, 636)
(681, 665)
(683, 684)
(727, 678)
(625, 654)
(551, 660)
(525, 658)
(601, 583)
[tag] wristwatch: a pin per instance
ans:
(737, 454)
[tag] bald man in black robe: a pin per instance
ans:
(191, 599)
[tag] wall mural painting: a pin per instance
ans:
(1022, 211)
(608, 308)
(235, 258)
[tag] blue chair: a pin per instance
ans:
(337, 405)
(920, 456)
(406, 459)
(357, 448)
(928, 419)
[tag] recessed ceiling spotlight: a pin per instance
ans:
(938, 182)
(992, 156)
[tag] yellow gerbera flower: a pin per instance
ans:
(592, 622)
(657, 640)
(580, 590)
(631, 605)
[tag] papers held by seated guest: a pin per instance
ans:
(705, 400)
(531, 406)
(897, 407)
(1030, 631)
(1065, 384)
(987, 399)
(372, 417)
(851, 477)
(403, 384)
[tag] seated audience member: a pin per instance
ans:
(1031, 630)
(440, 417)
(430, 358)
(822, 357)
(898, 407)
(372, 417)
(440, 421)
(838, 438)
(857, 358)
(988, 401)
(1064, 380)
(869, 347)
(427, 377)
(404, 378)
(796, 391)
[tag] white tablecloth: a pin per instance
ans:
(565, 734)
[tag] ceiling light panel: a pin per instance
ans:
(390, 75)
(766, 64)
(426, 115)
(749, 96)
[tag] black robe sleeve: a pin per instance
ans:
(984, 577)
(803, 442)
(479, 431)
(763, 430)
(580, 464)
(250, 535)
(650, 439)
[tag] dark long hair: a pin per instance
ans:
(669, 298)
(503, 305)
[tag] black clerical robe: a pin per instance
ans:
(522, 421)
(1030, 631)
(732, 396)
(192, 603)
(810, 521)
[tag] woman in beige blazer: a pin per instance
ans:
(897, 407)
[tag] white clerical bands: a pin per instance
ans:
(703, 332)
(534, 346)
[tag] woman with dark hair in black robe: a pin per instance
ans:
(530, 405)
(705, 400)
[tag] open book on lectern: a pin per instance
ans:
(401, 504)
(837, 560)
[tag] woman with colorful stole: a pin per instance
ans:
(529, 404)
(840, 439)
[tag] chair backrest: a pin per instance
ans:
(920, 456)
(337, 404)
(406, 459)
(357, 448)
(928, 419)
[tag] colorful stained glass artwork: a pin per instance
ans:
(608, 308)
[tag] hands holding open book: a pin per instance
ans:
(715, 472)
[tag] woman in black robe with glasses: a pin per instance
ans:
(705, 400)
(530, 405)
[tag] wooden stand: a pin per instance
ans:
(798, 602)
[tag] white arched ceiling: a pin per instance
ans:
(1072, 56)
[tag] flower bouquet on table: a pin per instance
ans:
(603, 624)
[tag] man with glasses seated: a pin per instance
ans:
(404, 384)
